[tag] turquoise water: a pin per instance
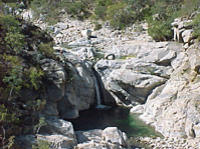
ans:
(113, 117)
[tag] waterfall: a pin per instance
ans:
(98, 95)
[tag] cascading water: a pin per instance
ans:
(97, 92)
(98, 96)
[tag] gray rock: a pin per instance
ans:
(26, 141)
(196, 129)
(86, 33)
(131, 81)
(58, 126)
(81, 80)
(54, 71)
(58, 141)
(181, 57)
(62, 26)
(51, 109)
(187, 35)
(94, 145)
(27, 15)
(80, 43)
(58, 133)
(85, 136)
(84, 53)
(137, 109)
(109, 138)
(115, 136)
(143, 67)
(173, 109)
(132, 88)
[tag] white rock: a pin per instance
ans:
(137, 109)
(114, 135)
(86, 33)
(187, 35)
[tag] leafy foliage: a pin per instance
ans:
(6, 116)
(120, 15)
(13, 38)
(18, 74)
(196, 26)
(160, 30)
(47, 49)
(41, 145)
(40, 124)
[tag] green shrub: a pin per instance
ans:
(40, 124)
(188, 7)
(14, 79)
(9, 22)
(41, 145)
(196, 26)
(160, 30)
(47, 49)
(100, 12)
(13, 39)
(101, 7)
(33, 77)
(7, 117)
(120, 15)
(141, 9)
(50, 10)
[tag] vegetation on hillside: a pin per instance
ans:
(167, 11)
(18, 74)
(120, 13)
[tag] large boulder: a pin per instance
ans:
(187, 35)
(148, 65)
(109, 138)
(115, 136)
(56, 75)
(57, 141)
(131, 81)
(79, 87)
(58, 133)
(67, 79)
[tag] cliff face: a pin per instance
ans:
(174, 107)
